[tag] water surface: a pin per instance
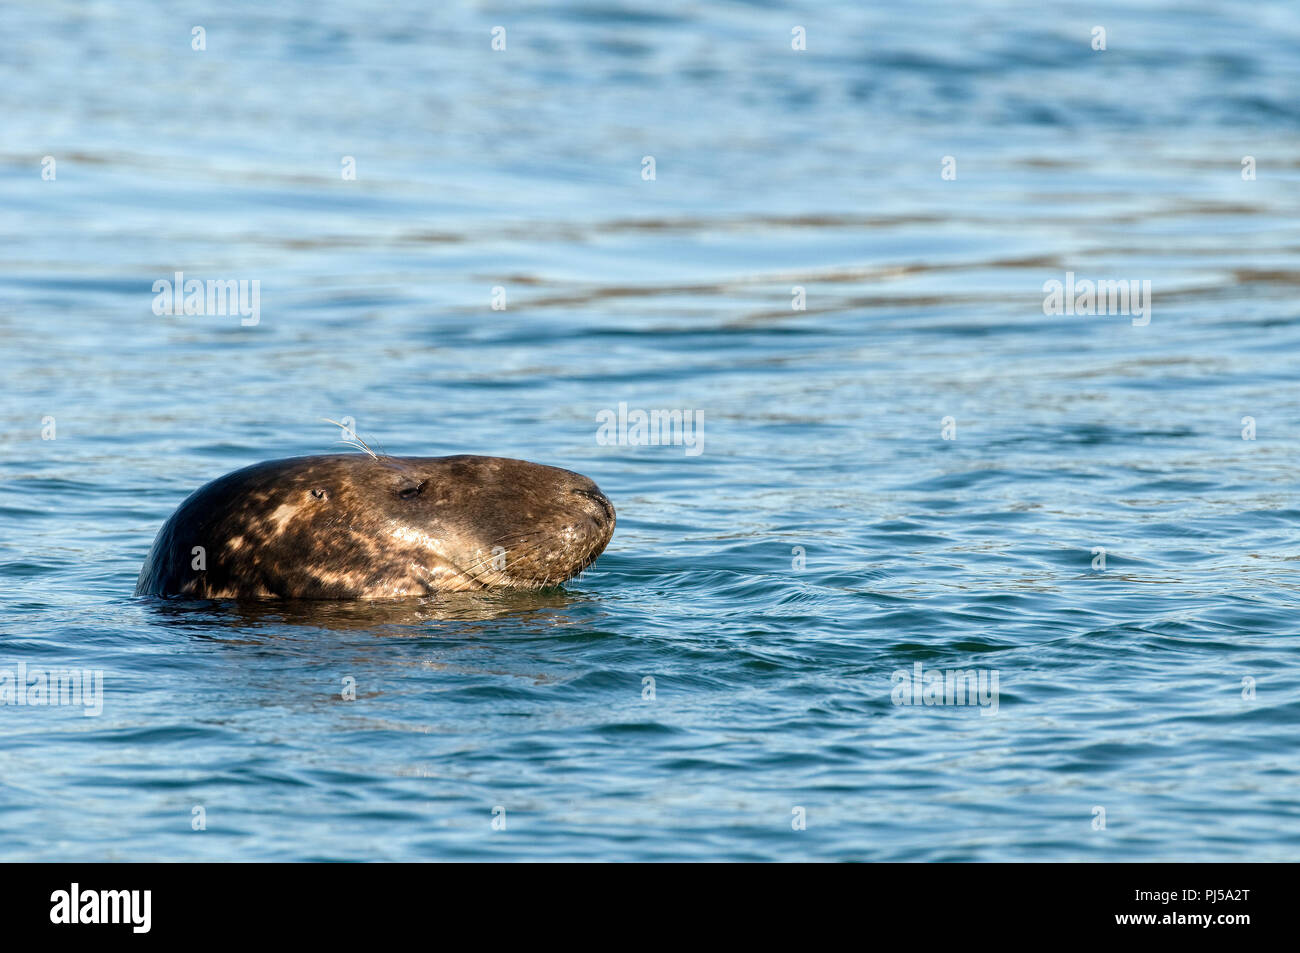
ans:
(826, 537)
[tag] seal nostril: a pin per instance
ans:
(598, 497)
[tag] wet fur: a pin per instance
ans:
(344, 526)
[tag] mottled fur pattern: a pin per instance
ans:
(345, 526)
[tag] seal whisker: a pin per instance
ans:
(351, 439)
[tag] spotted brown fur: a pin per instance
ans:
(347, 526)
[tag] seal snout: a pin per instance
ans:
(599, 499)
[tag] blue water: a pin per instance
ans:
(826, 537)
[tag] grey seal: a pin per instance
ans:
(348, 526)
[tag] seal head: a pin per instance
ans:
(346, 526)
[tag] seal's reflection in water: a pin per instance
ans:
(392, 647)
(456, 614)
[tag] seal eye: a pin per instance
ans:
(318, 493)
(411, 492)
